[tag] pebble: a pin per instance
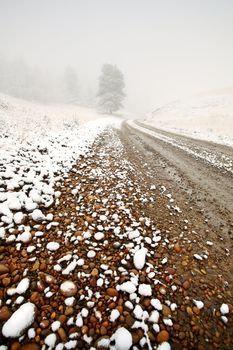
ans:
(177, 248)
(112, 292)
(84, 329)
(189, 310)
(181, 335)
(62, 334)
(69, 311)
(62, 319)
(95, 272)
(196, 310)
(129, 320)
(186, 285)
(43, 266)
(137, 335)
(44, 324)
(3, 269)
(93, 282)
(70, 290)
(6, 281)
(162, 336)
(50, 279)
(103, 330)
(35, 297)
(5, 313)
(170, 270)
(166, 311)
(146, 302)
(29, 346)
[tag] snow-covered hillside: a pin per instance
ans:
(208, 117)
(16, 110)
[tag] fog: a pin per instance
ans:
(166, 49)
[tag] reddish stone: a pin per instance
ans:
(112, 292)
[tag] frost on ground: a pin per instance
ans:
(207, 117)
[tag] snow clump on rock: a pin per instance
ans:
(123, 339)
(139, 258)
(19, 321)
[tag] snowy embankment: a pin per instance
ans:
(37, 147)
(208, 117)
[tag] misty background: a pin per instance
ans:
(166, 49)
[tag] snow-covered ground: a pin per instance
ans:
(53, 116)
(38, 145)
(207, 117)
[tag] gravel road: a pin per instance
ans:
(202, 169)
(138, 246)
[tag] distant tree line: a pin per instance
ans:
(22, 80)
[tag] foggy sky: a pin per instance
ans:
(166, 49)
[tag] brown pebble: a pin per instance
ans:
(177, 248)
(181, 335)
(36, 265)
(196, 310)
(53, 315)
(105, 324)
(6, 281)
(103, 330)
(43, 266)
(62, 318)
(170, 270)
(62, 334)
(93, 282)
(93, 319)
(44, 324)
(129, 320)
(142, 279)
(91, 332)
(151, 336)
(30, 346)
(3, 269)
(112, 292)
(40, 286)
(16, 279)
(146, 302)
(12, 267)
(5, 313)
(84, 329)
(120, 308)
(35, 297)
(162, 336)
(95, 272)
(112, 306)
(137, 335)
(166, 311)
(69, 311)
(15, 346)
(189, 310)
(186, 284)
(50, 279)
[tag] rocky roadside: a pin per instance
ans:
(119, 254)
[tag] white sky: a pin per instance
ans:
(167, 49)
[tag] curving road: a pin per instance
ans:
(202, 170)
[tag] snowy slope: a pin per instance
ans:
(208, 117)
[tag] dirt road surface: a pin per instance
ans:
(144, 232)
